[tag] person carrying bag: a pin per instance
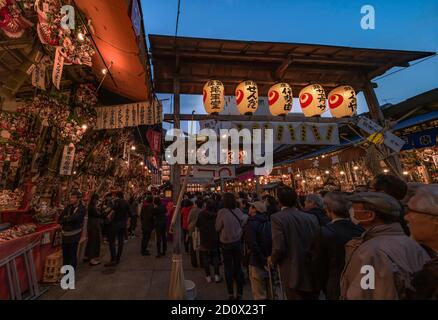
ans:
(229, 224)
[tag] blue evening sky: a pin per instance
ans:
(400, 24)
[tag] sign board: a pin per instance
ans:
(129, 115)
(136, 18)
(214, 172)
(390, 140)
(291, 133)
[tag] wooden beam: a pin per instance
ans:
(237, 56)
(235, 80)
(258, 118)
(373, 103)
(20, 43)
(279, 73)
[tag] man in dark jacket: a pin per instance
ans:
(314, 205)
(293, 233)
(160, 227)
(209, 240)
(422, 217)
(329, 248)
(257, 233)
(117, 228)
(147, 224)
(71, 221)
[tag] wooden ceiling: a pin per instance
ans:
(197, 60)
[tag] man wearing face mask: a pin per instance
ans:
(379, 265)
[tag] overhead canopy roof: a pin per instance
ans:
(266, 63)
(117, 42)
(422, 104)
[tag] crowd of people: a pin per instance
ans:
(380, 243)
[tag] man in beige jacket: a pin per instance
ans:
(379, 265)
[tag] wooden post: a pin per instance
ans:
(377, 115)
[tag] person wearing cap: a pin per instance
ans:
(422, 218)
(257, 234)
(71, 221)
(379, 264)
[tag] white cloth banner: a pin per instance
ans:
(128, 115)
(58, 65)
(68, 156)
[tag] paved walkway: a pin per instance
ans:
(135, 278)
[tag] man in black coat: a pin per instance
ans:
(314, 205)
(329, 249)
(71, 221)
(293, 233)
(117, 228)
(147, 224)
(257, 234)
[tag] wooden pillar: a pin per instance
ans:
(377, 115)
(176, 168)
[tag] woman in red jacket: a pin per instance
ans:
(187, 205)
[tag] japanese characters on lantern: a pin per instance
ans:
(247, 98)
(342, 102)
(280, 99)
(312, 100)
(213, 96)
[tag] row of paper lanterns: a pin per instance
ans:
(342, 100)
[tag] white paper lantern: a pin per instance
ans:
(213, 96)
(280, 99)
(312, 100)
(247, 97)
(342, 102)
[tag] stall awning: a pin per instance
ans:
(118, 42)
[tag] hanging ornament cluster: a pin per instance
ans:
(312, 100)
(12, 22)
(86, 101)
(74, 49)
(213, 97)
(342, 100)
(280, 99)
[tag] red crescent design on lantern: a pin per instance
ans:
(335, 101)
(273, 97)
(239, 96)
(306, 99)
(204, 96)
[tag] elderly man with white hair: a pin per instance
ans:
(422, 217)
(315, 205)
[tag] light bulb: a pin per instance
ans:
(405, 173)
(141, 163)
(327, 172)
(342, 172)
(84, 127)
(133, 148)
(81, 36)
(298, 175)
(355, 168)
(385, 170)
(318, 178)
(104, 71)
(304, 181)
